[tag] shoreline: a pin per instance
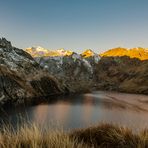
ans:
(30, 101)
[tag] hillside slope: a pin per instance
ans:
(122, 74)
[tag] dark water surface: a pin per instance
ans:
(84, 110)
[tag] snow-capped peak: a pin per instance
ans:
(40, 51)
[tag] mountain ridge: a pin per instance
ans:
(139, 52)
(39, 51)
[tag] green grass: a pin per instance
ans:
(103, 136)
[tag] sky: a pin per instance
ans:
(75, 24)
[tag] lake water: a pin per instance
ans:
(83, 110)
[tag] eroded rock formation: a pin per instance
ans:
(21, 78)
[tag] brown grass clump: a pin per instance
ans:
(35, 137)
(102, 136)
(106, 136)
(111, 136)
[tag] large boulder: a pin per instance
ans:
(21, 77)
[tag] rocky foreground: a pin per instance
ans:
(23, 77)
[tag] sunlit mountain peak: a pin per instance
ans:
(42, 52)
(140, 53)
(88, 53)
(64, 52)
(37, 51)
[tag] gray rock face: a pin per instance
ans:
(74, 73)
(5, 44)
(21, 77)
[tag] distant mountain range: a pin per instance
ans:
(117, 69)
(40, 52)
(140, 53)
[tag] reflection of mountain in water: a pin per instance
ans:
(82, 110)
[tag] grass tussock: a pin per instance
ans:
(35, 137)
(107, 135)
(102, 136)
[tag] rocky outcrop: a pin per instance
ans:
(74, 73)
(21, 78)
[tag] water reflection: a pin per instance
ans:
(87, 108)
(40, 114)
(82, 110)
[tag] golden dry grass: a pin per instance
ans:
(102, 136)
(34, 137)
(107, 135)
